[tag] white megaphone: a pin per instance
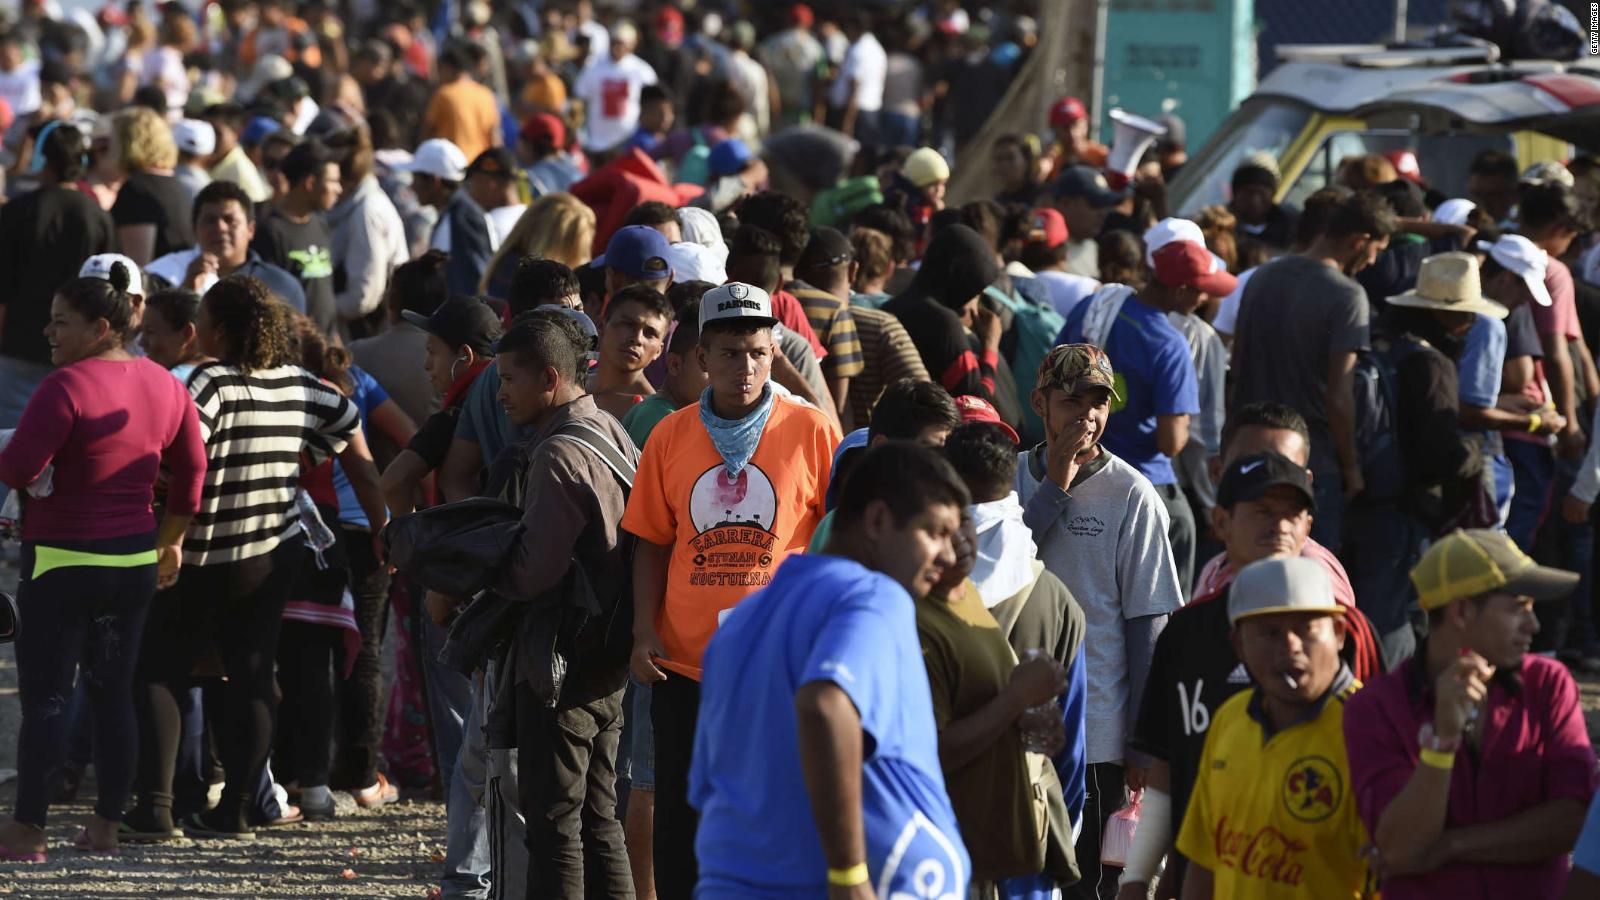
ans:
(1134, 135)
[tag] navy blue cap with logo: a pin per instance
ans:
(637, 251)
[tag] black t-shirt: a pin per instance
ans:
(1522, 336)
(159, 200)
(1192, 673)
(432, 440)
(305, 249)
(45, 235)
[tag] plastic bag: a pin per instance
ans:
(41, 486)
(1119, 831)
(318, 536)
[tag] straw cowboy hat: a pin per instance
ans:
(1449, 282)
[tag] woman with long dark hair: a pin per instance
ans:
(105, 422)
(260, 414)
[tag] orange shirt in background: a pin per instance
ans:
(548, 94)
(465, 113)
(727, 537)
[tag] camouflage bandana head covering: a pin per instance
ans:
(1071, 367)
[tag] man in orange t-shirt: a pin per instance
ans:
(726, 489)
(462, 111)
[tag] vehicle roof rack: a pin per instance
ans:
(1380, 56)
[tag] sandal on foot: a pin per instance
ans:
(379, 794)
(83, 844)
(292, 815)
(195, 827)
(7, 855)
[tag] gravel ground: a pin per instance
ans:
(391, 852)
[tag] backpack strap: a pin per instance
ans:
(602, 447)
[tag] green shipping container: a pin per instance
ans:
(1194, 58)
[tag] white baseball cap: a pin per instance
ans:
(99, 266)
(695, 262)
(440, 158)
(1165, 232)
(1519, 254)
(736, 300)
(195, 136)
(1169, 230)
(1454, 211)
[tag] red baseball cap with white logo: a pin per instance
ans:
(1188, 264)
(1046, 227)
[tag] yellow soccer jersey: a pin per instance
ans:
(1275, 818)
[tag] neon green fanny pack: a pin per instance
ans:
(47, 559)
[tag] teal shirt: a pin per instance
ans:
(645, 415)
(819, 538)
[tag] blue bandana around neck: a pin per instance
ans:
(736, 439)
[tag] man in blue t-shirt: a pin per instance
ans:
(1155, 373)
(816, 761)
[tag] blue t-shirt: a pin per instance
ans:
(1586, 855)
(483, 420)
(1155, 377)
(823, 618)
(368, 396)
(1483, 360)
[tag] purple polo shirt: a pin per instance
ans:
(1534, 749)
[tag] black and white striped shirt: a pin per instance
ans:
(256, 427)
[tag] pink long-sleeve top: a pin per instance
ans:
(107, 426)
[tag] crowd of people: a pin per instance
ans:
(753, 519)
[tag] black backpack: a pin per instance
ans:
(1376, 414)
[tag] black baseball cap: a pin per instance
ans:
(1250, 477)
(496, 161)
(460, 321)
(828, 247)
(1089, 183)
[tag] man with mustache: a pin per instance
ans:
(1470, 763)
(1101, 527)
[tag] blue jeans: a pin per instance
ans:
(1576, 543)
(449, 701)
(1383, 545)
(1504, 487)
(466, 856)
(1327, 528)
(1534, 468)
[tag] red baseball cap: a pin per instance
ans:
(977, 409)
(1188, 264)
(1405, 165)
(800, 16)
(1066, 111)
(545, 129)
(1047, 227)
(669, 24)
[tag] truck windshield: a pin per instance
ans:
(1263, 124)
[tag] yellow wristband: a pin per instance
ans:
(1439, 759)
(856, 874)
(1534, 422)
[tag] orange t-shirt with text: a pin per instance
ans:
(466, 114)
(727, 536)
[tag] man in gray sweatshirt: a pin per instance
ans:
(1102, 529)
